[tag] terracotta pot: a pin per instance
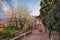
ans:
(40, 30)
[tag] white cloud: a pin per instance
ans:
(14, 3)
(35, 9)
(4, 5)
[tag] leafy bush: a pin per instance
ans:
(8, 30)
(52, 18)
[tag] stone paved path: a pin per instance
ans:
(36, 35)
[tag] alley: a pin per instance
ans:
(36, 35)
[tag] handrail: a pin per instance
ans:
(22, 35)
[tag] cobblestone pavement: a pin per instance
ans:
(36, 35)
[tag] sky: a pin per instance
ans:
(32, 5)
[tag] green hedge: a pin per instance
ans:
(8, 31)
